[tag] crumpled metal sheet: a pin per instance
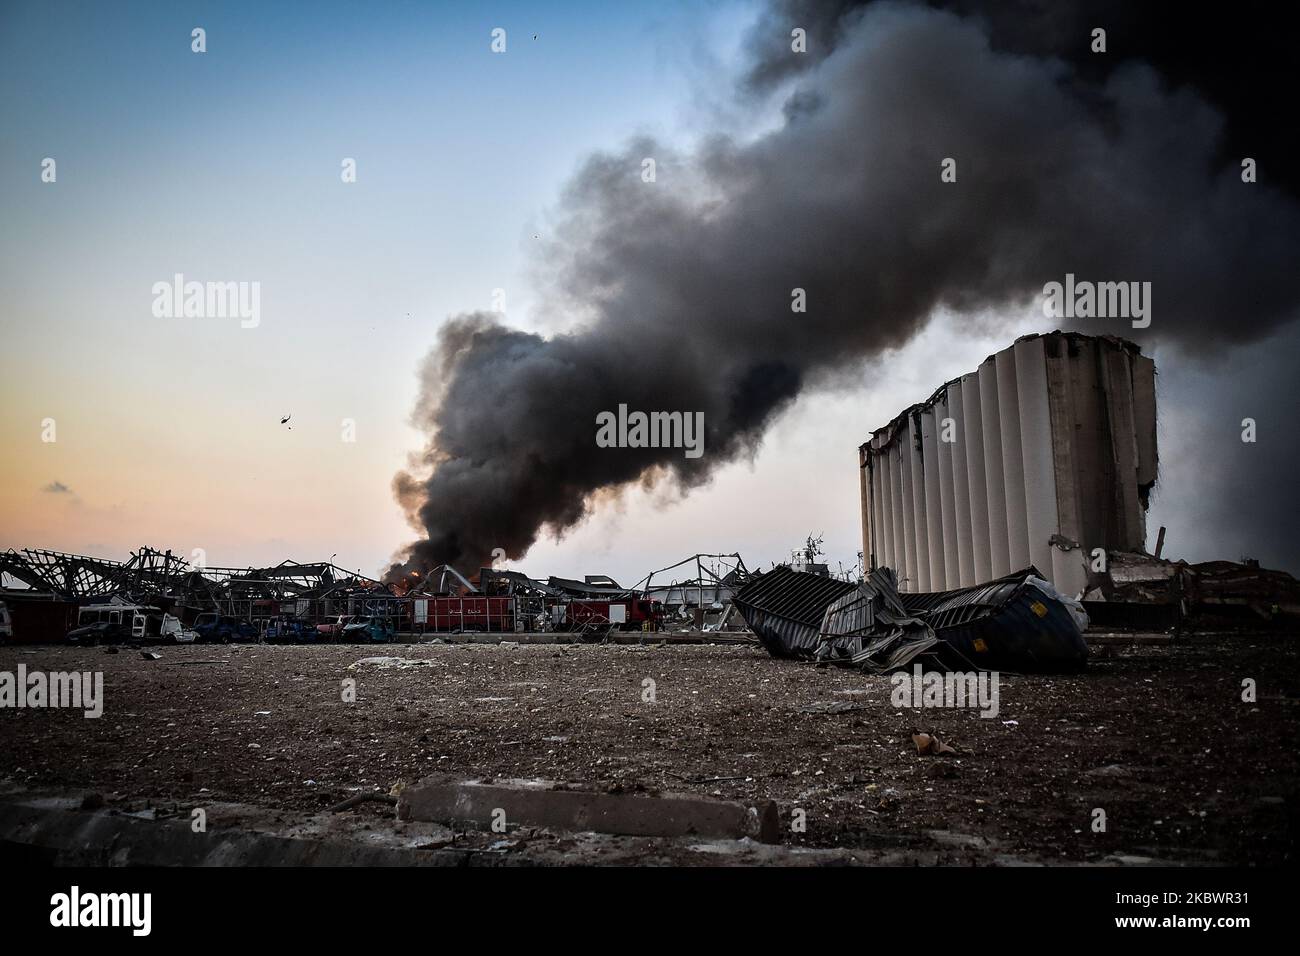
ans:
(1011, 624)
(869, 628)
(785, 608)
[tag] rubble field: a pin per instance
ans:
(1155, 735)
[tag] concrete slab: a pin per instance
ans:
(540, 803)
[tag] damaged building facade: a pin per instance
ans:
(1042, 455)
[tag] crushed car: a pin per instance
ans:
(368, 630)
(333, 630)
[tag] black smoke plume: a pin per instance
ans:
(683, 286)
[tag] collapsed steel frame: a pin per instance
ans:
(150, 572)
(322, 592)
(717, 576)
(82, 576)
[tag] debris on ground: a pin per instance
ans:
(1171, 715)
(930, 745)
(1141, 591)
(360, 798)
(388, 662)
(1017, 623)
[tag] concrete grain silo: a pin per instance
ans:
(1045, 453)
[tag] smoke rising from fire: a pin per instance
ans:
(684, 285)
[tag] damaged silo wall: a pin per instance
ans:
(1043, 454)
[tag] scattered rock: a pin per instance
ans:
(930, 745)
(386, 662)
(1110, 770)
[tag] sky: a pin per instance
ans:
(226, 166)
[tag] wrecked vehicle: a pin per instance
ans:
(151, 624)
(103, 624)
(100, 632)
(333, 630)
(218, 628)
(116, 623)
(1017, 623)
(292, 632)
(373, 630)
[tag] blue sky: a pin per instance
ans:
(226, 166)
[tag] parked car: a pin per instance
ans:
(150, 624)
(368, 630)
(120, 616)
(139, 623)
(100, 632)
(219, 628)
(333, 630)
(292, 632)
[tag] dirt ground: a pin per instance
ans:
(1157, 737)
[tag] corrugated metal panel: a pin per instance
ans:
(926, 602)
(976, 478)
(961, 488)
(995, 498)
(919, 575)
(1010, 624)
(1013, 459)
(868, 628)
(1036, 446)
(947, 435)
(933, 502)
(1011, 627)
(785, 609)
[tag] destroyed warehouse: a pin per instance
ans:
(53, 593)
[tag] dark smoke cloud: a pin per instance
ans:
(1241, 61)
(684, 285)
(1233, 498)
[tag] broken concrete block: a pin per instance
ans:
(542, 803)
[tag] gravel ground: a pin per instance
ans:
(1157, 737)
